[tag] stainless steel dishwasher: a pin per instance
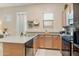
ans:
(29, 48)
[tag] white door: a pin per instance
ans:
(21, 22)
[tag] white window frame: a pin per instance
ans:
(49, 20)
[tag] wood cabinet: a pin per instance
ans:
(56, 42)
(41, 42)
(51, 42)
(48, 42)
(13, 49)
(45, 41)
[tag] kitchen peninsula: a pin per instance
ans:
(14, 45)
(28, 45)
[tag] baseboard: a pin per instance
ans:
(50, 48)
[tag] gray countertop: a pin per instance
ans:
(16, 39)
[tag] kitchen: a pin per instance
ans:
(27, 28)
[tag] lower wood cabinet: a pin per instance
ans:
(56, 42)
(41, 42)
(48, 42)
(13, 49)
(51, 42)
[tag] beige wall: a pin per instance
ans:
(34, 12)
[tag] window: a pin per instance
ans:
(48, 20)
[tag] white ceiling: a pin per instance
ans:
(12, 4)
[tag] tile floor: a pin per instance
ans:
(45, 52)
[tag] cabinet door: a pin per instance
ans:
(13, 49)
(56, 42)
(41, 43)
(48, 42)
(45, 42)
